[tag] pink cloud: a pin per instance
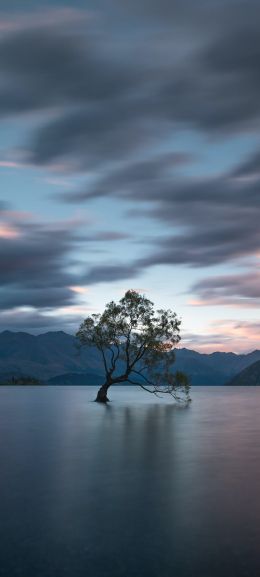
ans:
(79, 289)
(10, 164)
(8, 232)
(52, 17)
(225, 335)
(241, 302)
(237, 290)
(17, 215)
(74, 310)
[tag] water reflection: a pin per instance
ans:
(140, 487)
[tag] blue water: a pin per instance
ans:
(140, 488)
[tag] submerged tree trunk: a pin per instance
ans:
(102, 393)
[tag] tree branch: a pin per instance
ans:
(104, 359)
(143, 377)
(154, 392)
(140, 354)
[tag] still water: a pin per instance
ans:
(140, 488)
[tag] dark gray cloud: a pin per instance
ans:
(34, 256)
(33, 267)
(132, 180)
(111, 273)
(88, 137)
(38, 261)
(181, 10)
(109, 236)
(250, 168)
(194, 339)
(18, 296)
(238, 53)
(227, 289)
(86, 91)
(112, 101)
(53, 67)
(205, 246)
(219, 219)
(207, 221)
(106, 108)
(34, 321)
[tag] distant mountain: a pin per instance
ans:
(212, 369)
(77, 379)
(56, 358)
(248, 377)
(45, 356)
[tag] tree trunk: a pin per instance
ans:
(102, 393)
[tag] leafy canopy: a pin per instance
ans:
(136, 343)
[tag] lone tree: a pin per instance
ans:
(136, 345)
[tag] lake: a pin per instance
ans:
(138, 488)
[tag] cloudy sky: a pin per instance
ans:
(130, 158)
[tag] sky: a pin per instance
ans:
(130, 158)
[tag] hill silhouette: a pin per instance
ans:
(248, 377)
(55, 356)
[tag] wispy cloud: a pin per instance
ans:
(79, 289)
(109, 106)
(10, 164)
(240, 290)
(20, 21)
(225, 335)
(8, 232)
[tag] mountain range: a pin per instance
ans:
(249, 376)
(55, 357)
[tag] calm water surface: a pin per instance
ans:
(140, 488)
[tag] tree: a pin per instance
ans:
(136, 345)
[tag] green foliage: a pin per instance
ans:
(134, 337)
